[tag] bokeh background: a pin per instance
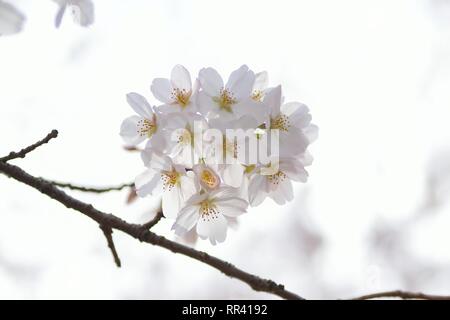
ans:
(373, 216)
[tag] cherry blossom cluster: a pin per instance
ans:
(212, 148)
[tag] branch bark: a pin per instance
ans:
(22, 153)
(71, 186)
(402, 295)
(107, 231)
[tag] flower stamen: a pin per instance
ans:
(277, 178)
(257, 95)
(209, 178)
(181, 97)
(225, 100)
(281, 122)
(147, 127)
(169, 179)
(208, 210)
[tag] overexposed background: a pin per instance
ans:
(374, 214)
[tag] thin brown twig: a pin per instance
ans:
(159, 215)
(89, 189)
(107, 231)
(402, 295)
(22, 153)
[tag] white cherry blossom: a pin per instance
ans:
(293, 121)
(162, 176)
(230, 100)
(278, 184)
(146, 125)
(208, 212)
(177, 93)
(215, 148)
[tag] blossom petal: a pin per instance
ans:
(162, 90)
(60, 15)
(311, 132)
(186, 219)
(205, 103)
(224, 192)
(293, 142)
(277, 196)
(257, 190)
(298, 114)
(156, 160)
(210, 81)
(147, 182)
(232, 207)
(181, 78)
(254, 109)
(171, 202)
(158, 141)
(83, 12)
(294, 169)
(272, 100)
(232, 174)
(129, 131)
(140, 105)
(241, 82)
(287, 190)
(188, 186)
(213, 228)
(306, 158)
(261, 81)
(11, 19)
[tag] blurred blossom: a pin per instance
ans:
(82, 11)
(11, 19)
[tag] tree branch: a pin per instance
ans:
(22, 153)
(89, 189)
(402, 295)
(141, 233)
(108, 222)
(107, 231)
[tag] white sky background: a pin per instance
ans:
(375, 75)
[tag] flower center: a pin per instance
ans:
(185, 137)
(209, 178)
(146, 127)
(277, 178)
(169, 179)
(249, 169)
(208, 210)
(225, 100)
(257, 95)
(181, 96)
(281, 122)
